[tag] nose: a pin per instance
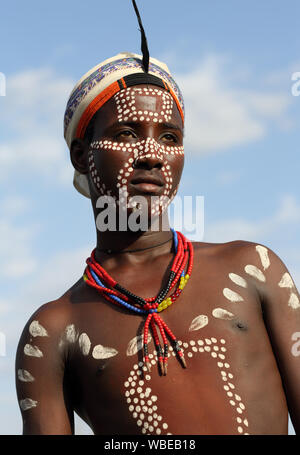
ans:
(150, 155)
(148, 161)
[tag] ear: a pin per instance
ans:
(79, 155)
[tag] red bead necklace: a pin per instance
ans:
(96, 276)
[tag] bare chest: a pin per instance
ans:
(223, 338)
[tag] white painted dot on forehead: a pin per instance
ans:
(126, 107)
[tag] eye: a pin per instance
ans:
(169, 137)
(126, 133)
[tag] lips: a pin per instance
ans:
(147, 183)
(154, 180)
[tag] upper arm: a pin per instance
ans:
(281, 312)
(41, 375)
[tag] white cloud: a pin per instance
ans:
(16, 252)
(59, 273)
(265, 104)
(14, 205)
(219, 116)
(240, 229)
(32, 114)
(289, 210)
(15, 249)
(226, 177)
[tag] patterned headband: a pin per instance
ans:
(101, 83)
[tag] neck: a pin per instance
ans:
(133, 247)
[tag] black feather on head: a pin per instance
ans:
(144, 46)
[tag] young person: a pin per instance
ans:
(160, 335)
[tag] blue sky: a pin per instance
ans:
(233, 60)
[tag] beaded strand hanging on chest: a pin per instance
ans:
(96, 276)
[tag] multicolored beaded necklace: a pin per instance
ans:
(96, 276)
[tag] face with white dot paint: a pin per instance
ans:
(137, 133)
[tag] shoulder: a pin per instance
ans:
(240, 250)
(47, 323)
(54, 313)
(256, 262)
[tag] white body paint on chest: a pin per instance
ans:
(220, 313)
(84, 343)
(37, 330)
(238, 280)
(255, 272)
(136, 344)
(199, 322)
(32, 351)
(143, 402)
(25, 376)
(232, 296)
(27, 403)
(264, 257)
(102, 352)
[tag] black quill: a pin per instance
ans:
(144, 46)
